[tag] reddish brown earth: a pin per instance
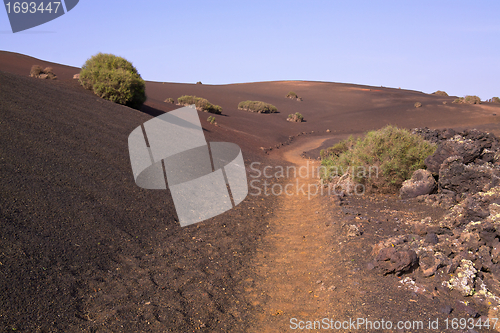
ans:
(82, 248)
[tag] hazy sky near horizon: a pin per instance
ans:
(449, 45)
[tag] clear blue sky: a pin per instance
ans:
(449, 45)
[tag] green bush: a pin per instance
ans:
(418, 104)
(257, 106)
(472, 100)
(170, 100)
(393, 152)
(469, 99)
(293, 95)
(297, 117)
(115, 79)
(200, 103)
(440, 93)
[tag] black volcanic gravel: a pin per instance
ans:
(82, 248)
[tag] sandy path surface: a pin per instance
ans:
(290, 264)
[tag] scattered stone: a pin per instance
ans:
(431, 238)
(461, 307)
(410, 284)
(446, 309)
(353, 231)
(389, 260)
(422, 182)
(429, 263)
(76, 76)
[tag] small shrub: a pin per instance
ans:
(297, 117)
(418, 104)
(469, 99)
(293, 95)
(211, 120)
(392, 152)
(113, 78)
(494, 100)
(257, 106)
(38, 72)
(201, 104)
(472, 99)
(199, 82)
(440, 93)
(50, 73)
(170, 100)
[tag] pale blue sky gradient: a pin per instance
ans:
(449, 45)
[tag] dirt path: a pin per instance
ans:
(307, 267)
(291, 263)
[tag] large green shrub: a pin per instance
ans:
(257, 106)
(201, 104)
(392, 152)
(113, 78)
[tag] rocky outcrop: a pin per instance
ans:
(455, 175)
(472, 145)
(462, 248)
(464, 162)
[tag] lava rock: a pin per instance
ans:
(469, 150)
(431, 238)
(422, 182)
(389, 260)
(455, 176)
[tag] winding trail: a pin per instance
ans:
(291, 263)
